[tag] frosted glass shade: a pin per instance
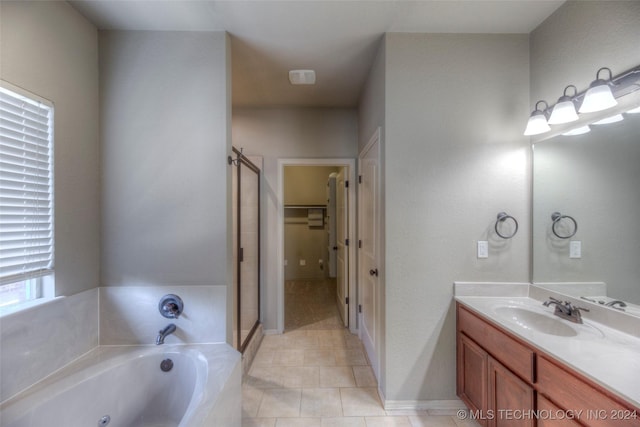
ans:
(612, 119)
(563, 112)
(598, 98)
(578, 131)
(537, 124)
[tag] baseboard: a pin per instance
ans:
(433, 407)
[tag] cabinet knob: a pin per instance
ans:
(373, 272)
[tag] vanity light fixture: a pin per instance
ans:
(599, 96)
(537, 121)
(578, 131)
(564, 111)
(611, 119)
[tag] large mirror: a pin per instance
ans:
(593, 179)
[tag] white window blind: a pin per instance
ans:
(26, 186)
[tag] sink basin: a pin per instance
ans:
(531, 320)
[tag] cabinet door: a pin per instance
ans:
(552, 416)
(472, 375)
(510, 400)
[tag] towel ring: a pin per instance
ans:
(502, 217)
(556, 217)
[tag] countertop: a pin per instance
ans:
(601, 353)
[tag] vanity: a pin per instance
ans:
(520, 365)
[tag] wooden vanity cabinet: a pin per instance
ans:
(506, 383)
(486, 381)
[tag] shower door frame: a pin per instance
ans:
(242, 160)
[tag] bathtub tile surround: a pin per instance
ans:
(37, 341)
(49, 336)
(129, 315)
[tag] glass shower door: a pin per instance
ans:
(246, 247)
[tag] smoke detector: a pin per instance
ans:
(302, 77)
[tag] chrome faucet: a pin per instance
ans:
(615, 302)
(566, 310)
(163, 333)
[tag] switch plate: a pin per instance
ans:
(575, 249)
(286, 262)
(303, 262)
(483, 249)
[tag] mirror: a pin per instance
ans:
(595, 179)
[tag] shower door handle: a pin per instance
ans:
(373, 272)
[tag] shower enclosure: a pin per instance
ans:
(246, 248)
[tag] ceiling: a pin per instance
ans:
(338, 39)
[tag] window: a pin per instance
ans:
(26, 194)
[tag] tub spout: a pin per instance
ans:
(162, 334)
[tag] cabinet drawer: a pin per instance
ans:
(574, 394)
(515, 356)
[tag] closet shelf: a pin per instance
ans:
(305, 206)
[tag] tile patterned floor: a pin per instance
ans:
(317, 375)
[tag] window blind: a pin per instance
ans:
(26, 187)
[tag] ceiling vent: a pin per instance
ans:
(302, 77)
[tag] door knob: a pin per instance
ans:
(373, 272)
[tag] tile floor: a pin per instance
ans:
(317, 375)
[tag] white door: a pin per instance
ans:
(342, 273)
(369, 249)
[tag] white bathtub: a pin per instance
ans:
(126, 385)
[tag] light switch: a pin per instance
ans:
(483, 249)
(303, 262)
(575, 249)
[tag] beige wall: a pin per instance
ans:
(49, 49)
(166, 185)
(454, 157)
(285, 133)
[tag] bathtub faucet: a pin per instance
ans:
(162, 334)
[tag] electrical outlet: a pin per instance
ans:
(483, 249)
(303, 262)
(575, 249)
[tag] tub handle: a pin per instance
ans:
(171, 306)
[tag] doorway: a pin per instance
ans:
(317, 219)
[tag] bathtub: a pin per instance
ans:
(125, 386)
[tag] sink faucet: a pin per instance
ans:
(566, 310)
(163, 333)
(616, 302)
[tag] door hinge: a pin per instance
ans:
(346, 300)
(346, 184)
(359, 244)
(359, 308)
(346, 242)
(359, 179)
(241, 254)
